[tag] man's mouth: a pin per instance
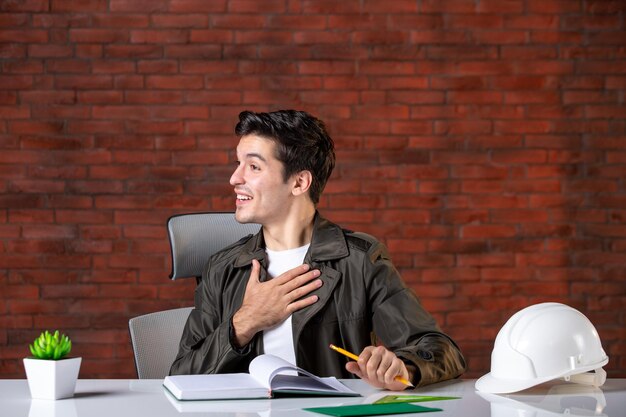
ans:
(241, 197)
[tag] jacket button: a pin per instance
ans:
(427, 356)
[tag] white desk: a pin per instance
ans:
(121, 398)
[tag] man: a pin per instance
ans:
(302, 282)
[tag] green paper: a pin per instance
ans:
(371, 409)
(392, 399)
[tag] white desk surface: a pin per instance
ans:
(123, 397)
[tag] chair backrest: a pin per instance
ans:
(195, 237)
(155, 338)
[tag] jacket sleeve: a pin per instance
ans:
(205, 345)
(405, 327)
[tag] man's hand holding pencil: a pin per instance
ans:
(378, 367)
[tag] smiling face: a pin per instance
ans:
(262, 194)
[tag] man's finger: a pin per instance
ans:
(393, 371)
(386, 362)
(300, 280)
(353, 367)
(300, 304)
(255, 272)
(292, 273)
(305, 289)
(372, 366)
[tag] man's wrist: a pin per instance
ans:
(242, 334)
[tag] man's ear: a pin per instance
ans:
(302, 183)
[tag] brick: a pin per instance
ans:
(153, 97)
(180, 20)
(133, 261)
(462, 127)
(604, 112)
(325, 67)
(501, 37)
(129, 82)
(519, 216)
(133, 51)
(98, 36)
(404, 216)
(464, 246)
(100, 97)
(88, 51)
(14, 19)
(154, 187)
(174, 82)
(565, 156)
(239, 21)
(23, 36)
(459, 157)
(142, 6)
(186, 6)
(83, 217)
(329, 7)
(251, 6)
(522, 127)
(448, 6)
(30, 216)
(78, 6)
(150, 246)
(488, 231)
(8, 97)
(31, 67)
(339, 52)
(17, 82)
(159, 36)
(554, 6)
(76, 202)
(599, 258)
(479, 171)
(119, 20)
(297, 22)
(12, 51)
(94, 127)
(96, 187)
(160, 66)
(14, 112)
(37, 186)
(48, 231)
(399, 83)
(84, 82)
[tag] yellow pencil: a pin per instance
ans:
(356, 358)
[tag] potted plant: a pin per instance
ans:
(51, 376)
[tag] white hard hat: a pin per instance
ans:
(543, 342)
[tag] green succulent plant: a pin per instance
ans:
(51, 346)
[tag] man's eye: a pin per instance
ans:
(254, 167)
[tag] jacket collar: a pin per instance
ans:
(327, 243)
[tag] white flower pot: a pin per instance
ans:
(52, 380)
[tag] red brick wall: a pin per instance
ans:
(482, 140)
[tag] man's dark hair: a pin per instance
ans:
(302, 143)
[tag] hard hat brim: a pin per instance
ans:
(488, 383)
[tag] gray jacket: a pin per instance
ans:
(362, 295)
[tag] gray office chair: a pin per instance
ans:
(155, 338)
(194, 237)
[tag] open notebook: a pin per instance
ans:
(266, 378)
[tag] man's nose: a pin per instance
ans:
(236, 178)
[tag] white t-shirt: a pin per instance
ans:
(279, 339)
